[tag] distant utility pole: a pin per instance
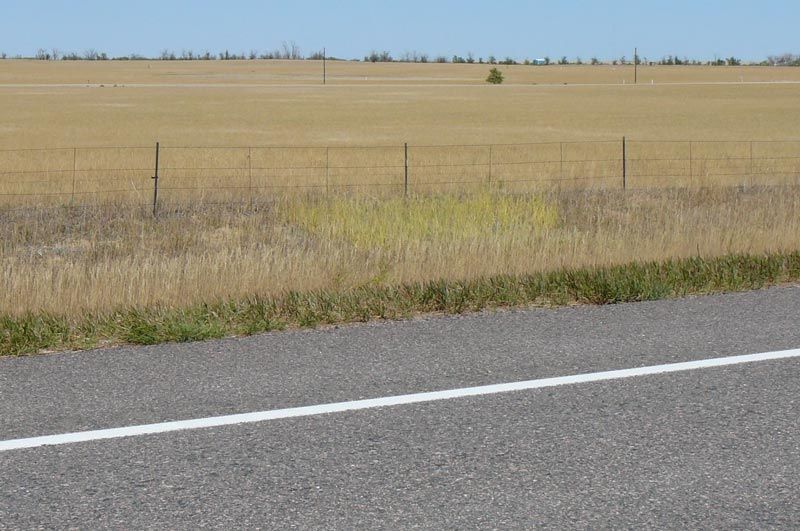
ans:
(324, 66)
(635, 66)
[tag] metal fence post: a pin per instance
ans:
(691, 165)
(250, 174)
(405, 182)
(155, 183)
(561, 161)
(624, 164)
(327, 170)
(74, 170)
(491, 163)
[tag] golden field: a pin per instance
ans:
(266, 105)
(46, 104)
(297, 186)
(276, 72)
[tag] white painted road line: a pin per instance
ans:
(307, 411)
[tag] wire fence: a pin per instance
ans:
(157, 173)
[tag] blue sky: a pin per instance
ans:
(351, 28)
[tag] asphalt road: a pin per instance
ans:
(709, 448)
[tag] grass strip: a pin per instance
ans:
(34, 333)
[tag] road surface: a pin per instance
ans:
(704, 446)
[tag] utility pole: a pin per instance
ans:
(324, 66)
(635, 66)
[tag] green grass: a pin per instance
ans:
(627, 283)
(369, 223)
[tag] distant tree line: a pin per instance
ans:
(417, 57)
(786, 59)
(291, 51)
(288, 50)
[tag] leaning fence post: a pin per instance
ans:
(405, 180)
(155, 183)
(624, 165)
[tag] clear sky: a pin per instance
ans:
(351, 28)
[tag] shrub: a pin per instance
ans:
(495, 77)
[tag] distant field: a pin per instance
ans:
(350, 73)
(257, 106)
(250, 104)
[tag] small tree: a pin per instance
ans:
(495, 77)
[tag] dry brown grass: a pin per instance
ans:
(358, 73)
(275, 104)
(111, 253)
(71, 260)
(231, 109)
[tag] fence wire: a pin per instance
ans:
(75, 175)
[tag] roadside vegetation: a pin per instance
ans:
(79, 277)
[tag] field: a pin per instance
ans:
(518, 179)
(281, 103)
(353, 130)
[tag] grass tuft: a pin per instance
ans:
(632, 282)
(151, 327)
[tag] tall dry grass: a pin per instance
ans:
(70, 260)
